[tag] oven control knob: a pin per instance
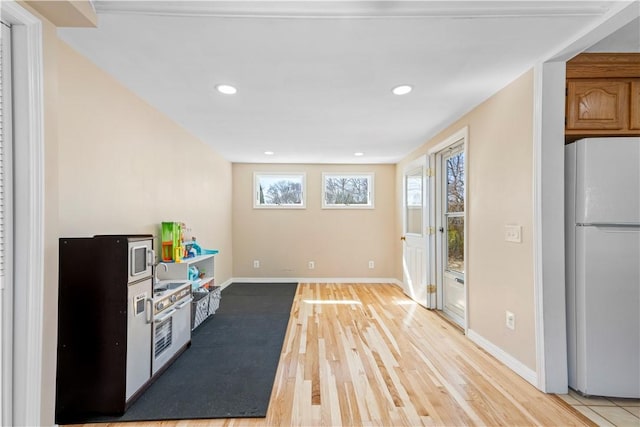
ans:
(173, 298)
(160, 305)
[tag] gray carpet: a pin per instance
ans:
(228, 371)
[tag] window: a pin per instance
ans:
(414, 218)
(279, 190)
(351, 190)
(454, 209)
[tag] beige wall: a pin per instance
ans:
(103, 174)
(340, 241)
(51, 230)
(499, 192)
(124, 167)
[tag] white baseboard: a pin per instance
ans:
(397, 282)
(225, 284)
(367, 280)
(511, 362)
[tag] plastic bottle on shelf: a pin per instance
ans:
(193, 272)
(195, 246)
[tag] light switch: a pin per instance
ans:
(513, 233)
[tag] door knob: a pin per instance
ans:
(403, 238)
(441, 229)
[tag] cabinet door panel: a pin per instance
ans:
(593, 104)
(634, 122)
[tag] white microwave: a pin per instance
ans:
(141, 259)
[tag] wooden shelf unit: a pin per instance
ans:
(180, 270)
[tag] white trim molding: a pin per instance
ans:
(511, 362)
(29, 207)
(548, 223)
(225, 283)
(352, 10)
(362, 280)
(463, 133)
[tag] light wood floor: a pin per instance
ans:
(365, 355)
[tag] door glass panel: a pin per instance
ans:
(413, 214)
(455, 243)
(455, 183)
(451, 174)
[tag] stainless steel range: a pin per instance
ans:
(171, 321)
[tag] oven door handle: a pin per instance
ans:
(166, 315)
(149, 312)
(184, 303)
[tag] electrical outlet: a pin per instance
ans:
(510, 320)
(256, 263)
(312, 265)
(513, 233)
(372, 264)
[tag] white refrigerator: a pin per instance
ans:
(602, 209)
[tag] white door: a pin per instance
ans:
(415, 262)
(450, 172)
(607, 314)
(607, 180)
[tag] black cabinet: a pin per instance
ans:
(98, 302)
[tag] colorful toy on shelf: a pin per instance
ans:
(194, 273)
(172, 249)
(195, 247)
(169, 230)
(177, 254)
(178, 244)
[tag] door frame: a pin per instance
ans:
(28, 132)
(436, 251)
(6, 279)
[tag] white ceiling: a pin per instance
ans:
(626, 39)
(314, 78)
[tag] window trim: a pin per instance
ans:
(255, 196)
(369, 175)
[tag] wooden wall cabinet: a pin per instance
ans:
(603, 95)
(635, 105)
(597, 104)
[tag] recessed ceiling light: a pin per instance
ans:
(358, 154)
(226, 89)
(401, 90)
(269, 153)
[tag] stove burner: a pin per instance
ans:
(166, 295)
